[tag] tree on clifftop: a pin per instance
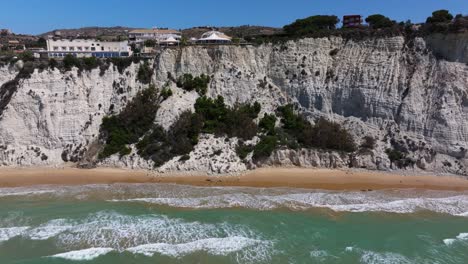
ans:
(311, 24)
(440, 16)
(379, 21)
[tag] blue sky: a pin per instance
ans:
(38, 16)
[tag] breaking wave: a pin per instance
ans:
(391, 201)
(84, 254)
(460, 238)
(213, 246)
(107, 231)
(11, 232)
(340, 202)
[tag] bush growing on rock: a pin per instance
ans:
(243, 150)
(132, 123)
(166, 92)
(144, 73)
(218, 119)
(160, 146)
(368, 142)
(190, 83)
(267, 124)
(70, 61)
(324, 134)
(399, 158)
(265, 147)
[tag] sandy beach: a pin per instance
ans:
(268, 177)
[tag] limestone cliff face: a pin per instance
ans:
(394, 89)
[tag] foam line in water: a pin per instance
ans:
(341, 202)
(8, 193)
(84, 254)
(11, 232)
(213, 246)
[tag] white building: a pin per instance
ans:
(214, 37)
(158, 35)
(87, 48)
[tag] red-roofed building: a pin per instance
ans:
(351, 21)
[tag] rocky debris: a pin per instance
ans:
(212, 155)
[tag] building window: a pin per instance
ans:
(86, 48)
(72, 48)
(93, 48)
(80, 48)
(56, 48)
(64, 48)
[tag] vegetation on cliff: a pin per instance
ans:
(130, 124)
(190, 83)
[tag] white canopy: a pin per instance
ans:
(214, 36)
(170, 40)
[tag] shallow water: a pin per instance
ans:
(155, 223)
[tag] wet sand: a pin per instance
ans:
(269, 177)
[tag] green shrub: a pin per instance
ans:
(368, 142)
(218, 119)
(160, 146)
(166, 93)
(121, 63)
(150, 43)
(324, 134)
(267, 124)
(53, 63)
(70, 61)
(440, 16)
(144, 73)
(26, 56)
(292, 122)
(311, 24)
(90, 63)
(379, 21)
(131, 124)
(125, 151)
(189, 83)
(265, 147)
(243, 150)
(399, 158)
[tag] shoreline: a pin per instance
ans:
(308, 178)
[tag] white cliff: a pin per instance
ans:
(393, 89)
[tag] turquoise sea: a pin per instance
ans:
(155, 223)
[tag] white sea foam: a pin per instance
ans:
(371, 257)
(341, 202)
(463, 236)
(321, 255)
(214, 246)
(113, 230)
(14, 192)
(10, 232)
(449, 241)
(50, 229)
(459, 237)
(85, 254)
(349, 249)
